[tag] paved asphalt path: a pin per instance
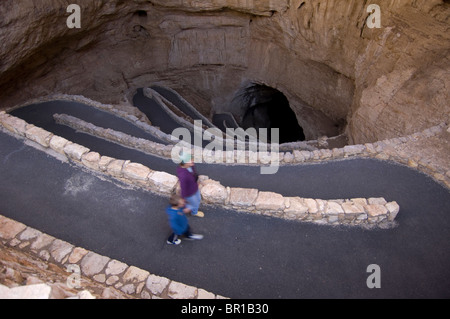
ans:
(181, 105)
(242, 256)
(157, 116)
(41, 114)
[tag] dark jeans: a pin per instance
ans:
(174, 236)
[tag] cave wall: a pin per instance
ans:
(402, 76)
(383, 82)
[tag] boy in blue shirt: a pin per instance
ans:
(178, 221)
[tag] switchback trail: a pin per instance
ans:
(242, 256)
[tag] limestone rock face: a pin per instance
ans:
(254, 7)
(334, 69)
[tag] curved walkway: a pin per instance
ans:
(182, 105)
(244, 255)
(157, 116)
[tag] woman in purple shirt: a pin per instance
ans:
(189, 187)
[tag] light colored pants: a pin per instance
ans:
(193, 202)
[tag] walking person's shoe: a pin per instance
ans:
(194, 237)
(175, 242)
(199, 214)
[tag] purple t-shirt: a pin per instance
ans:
(188, 182)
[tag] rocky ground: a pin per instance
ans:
(18, 268)
(435, 150)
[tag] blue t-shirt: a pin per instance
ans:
(177, 220)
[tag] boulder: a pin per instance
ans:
(243, 197)
(75, 151)
(393, 209)
(93, 264)
(213, 192)
(10, 228)
(39, 136)
(91, 160)
(269, 201)
(296, 209)
(58, 143)
(162, 182)
(115, 167)
(136, 172)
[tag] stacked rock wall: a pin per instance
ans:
(373, 211)
(36, 259)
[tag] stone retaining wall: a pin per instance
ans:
(120, 138)
(369, 212)
(115, 277)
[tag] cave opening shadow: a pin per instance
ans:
(269, 108)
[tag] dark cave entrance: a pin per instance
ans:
(266, 107)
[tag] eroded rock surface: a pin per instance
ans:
(335, 70)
